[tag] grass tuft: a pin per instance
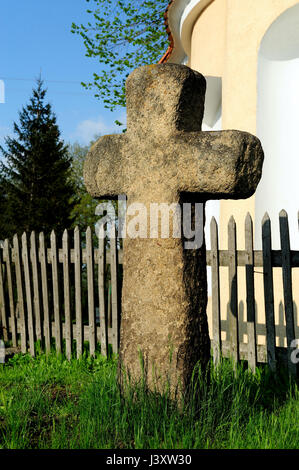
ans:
(48, 402)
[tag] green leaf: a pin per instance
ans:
(122, 36)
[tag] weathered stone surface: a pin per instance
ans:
(10, 352)
(165, 158)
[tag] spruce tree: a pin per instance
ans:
(3, 204)
(35, 176)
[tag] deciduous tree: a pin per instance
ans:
(121, 35)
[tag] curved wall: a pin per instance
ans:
(278, 125)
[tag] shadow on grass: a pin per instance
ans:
(49, 402)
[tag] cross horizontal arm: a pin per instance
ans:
(104, 167)
(220, 165)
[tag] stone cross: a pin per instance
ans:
(165, 158)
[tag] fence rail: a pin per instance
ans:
(71, 291)
(42, 293)
(267, 259)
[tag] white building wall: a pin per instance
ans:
(212, 121)
(278, 126)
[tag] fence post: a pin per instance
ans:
(101, 288)
(27, 277)
(36, 294)
(45, 291)
(114, 289)
(57, 318)
(215, 291)
(7, 253)
(287, 285)
(21, 306)
(90, 291)
(4, 319)
(252, 350)
(78, 291)
(233, 289)
(268, 291)
(67, 295)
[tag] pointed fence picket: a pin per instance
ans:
(250, 300)
(36, 289)
(233, 290)
(67, 295)
(90, 292)
(78, 292)
(45, 292)
(249, 258)
(28, 290)
(42, 291)
(7, 255)
(56, 293)
(101, 292)
(20, 294)
(216, 319)
(114, 289)
(268, 290)
(4, 319)
(287, 285)
(65, 292)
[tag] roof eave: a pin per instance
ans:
(179, 18)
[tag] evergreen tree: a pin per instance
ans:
(38, 192)
(3, 202)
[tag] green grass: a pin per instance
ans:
(48, 402)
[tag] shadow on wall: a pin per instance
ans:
(280, 327)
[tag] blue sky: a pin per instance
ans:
(35, 37)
